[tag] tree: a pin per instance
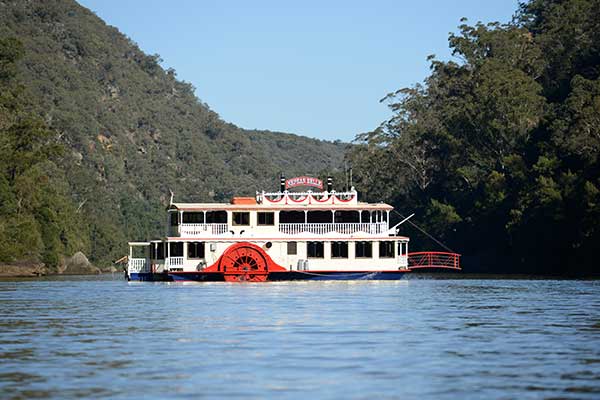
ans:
(37, 218)
(500, 150)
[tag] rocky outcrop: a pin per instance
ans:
(78, 265)
(23, 269)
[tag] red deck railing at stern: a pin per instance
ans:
(433, 259)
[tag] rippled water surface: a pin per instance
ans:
(418, 338)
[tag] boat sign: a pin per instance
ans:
(304, 181)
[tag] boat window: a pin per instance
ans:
(402, 248)
(363, 249)
(292, 248)
(319, 217)
(193, 218)
(266, 218)
(241, 218)
(386, 249)
(315, 250)
(174, 218)
(339, 249)
(291, 217)
(347, 216)
(195, 250)
(176, 249)
(365, 216)
(216, 217)
(158, 251)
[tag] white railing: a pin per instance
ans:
(403, 261)
(202, 229)
(324, 194)
(174, 262)
(343, 228)
(274, 196)
(137, 265)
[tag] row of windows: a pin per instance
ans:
(362, 249)
(340, 249)
(264, 218)
(220, 217)
(212, 217)
(242, 218)
(194, 250)
(328, 217)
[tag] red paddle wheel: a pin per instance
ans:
(245, 262)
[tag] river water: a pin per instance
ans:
(413, 339)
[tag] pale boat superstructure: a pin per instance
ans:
(280, 235)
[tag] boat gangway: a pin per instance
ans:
(433, 260)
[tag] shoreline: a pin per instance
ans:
(23, 270)
(40, 270)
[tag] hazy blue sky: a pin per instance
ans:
(316, 68)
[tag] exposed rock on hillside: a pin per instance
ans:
(79, 264)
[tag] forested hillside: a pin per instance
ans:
(126, 132)
(498, 150)
(38, 219)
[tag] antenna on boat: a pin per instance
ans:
(422, 231)
(345, 176)
(351, 186)
(404, 220)
(401, 222)
(172, 195)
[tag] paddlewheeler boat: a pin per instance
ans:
(296, 233)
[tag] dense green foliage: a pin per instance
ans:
(37, 218)
(498, 153)
(131, 132)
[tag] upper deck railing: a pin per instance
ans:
(343, 228)
(202, 229)
(374, 228)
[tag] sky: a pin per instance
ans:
(314, 68)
